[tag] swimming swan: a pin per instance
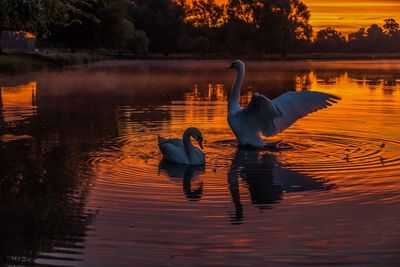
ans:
(182, 151)
(269, 117)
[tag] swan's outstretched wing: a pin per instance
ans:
(261, 113)
(272, 117)
(295, 105)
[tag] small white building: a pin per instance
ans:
(17, 42)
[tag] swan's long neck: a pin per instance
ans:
(233, 103)
(187, 144)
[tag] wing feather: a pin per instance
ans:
(296, 105)
(277, 115)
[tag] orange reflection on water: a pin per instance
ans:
(357, 125)
(213, 92)
(18, 102)
(355, 142)
(203, 106)
(98, 130)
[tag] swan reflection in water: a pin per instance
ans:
(265, 179)
(185, 174)
(258, 170)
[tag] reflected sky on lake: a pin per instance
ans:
(82, 182)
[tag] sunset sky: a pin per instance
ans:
(348, 16)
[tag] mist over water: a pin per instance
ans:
(82, 182)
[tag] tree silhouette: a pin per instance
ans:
(391, 27)
(206, 13)
(242, 10)
(329, 40)
(357, 41)
(375, 38)
(243, 27)
(392, 31)
(162, 21)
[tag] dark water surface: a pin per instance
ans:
(81, 183)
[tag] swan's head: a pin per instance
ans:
(196, 134)
(237, 64)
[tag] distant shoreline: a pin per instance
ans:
(19, 63)
(289, 57)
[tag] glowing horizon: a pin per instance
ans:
(348, 16)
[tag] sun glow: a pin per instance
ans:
(18, 102)
(348, 16)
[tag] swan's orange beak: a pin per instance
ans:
(232, 66)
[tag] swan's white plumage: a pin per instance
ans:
(262, 112)
(182, 151)
(296, 105)
(269, 117)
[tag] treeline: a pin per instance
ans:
(90, 24)
(164, 26)
(374, 39)
(251, 27)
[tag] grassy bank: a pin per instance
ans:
(18, 63)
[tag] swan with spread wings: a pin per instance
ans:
(268, 117)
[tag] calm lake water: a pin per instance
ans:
(82, 182)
